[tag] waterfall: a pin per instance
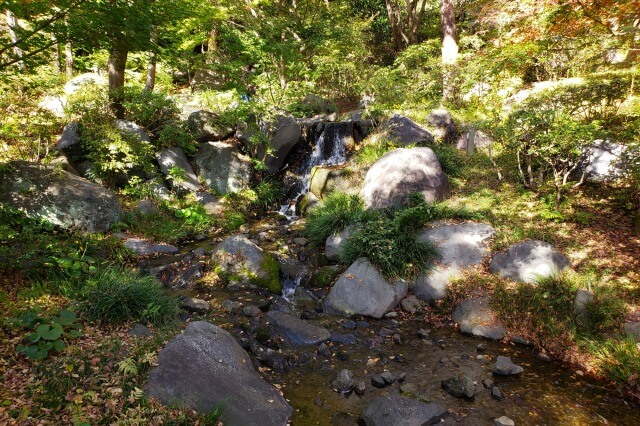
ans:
(289, 285)
(328, 151)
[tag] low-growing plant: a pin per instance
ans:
(337, 211)
(115, 296)
(620, 362)
(176, 134)
(46, 333)
(450, 159)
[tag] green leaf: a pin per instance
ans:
(75, 333)
(59, 345)
(33, 337)
(66, 317)
(50, 332)
(45, 346)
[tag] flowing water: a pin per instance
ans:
(328, 151)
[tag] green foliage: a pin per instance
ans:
(46, 333)
(176, 134)
(38, 248)
(151, 110)
(620, 361)
(450, 159)
(194, 214)
(338, 211)
(115, 296)
(372, 150)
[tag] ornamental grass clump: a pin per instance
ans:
(115, 296)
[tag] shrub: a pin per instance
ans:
(450, 159)
(176, 134)
(620, 361)
(115, 296)
(148, 109)
(337, 211)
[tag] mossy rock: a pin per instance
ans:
(237, 258)
(324, 277)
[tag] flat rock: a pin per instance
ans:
(147, 208)
(632, 329)
(475, 316)
(400, 410)
(204, 368)
(196, 305)
(362, 290)
(58, 197)
(405, 131)
(460, 246)
(147, 248)
(505, 367)
(504, 421)
(529, 260)
(411, 304)
(400, 173)
(295, 331)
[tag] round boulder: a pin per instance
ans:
(402, 172)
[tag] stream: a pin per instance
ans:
(546, 393)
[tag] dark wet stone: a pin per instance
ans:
(196, 305)
(342, 356)
(296, 332)
(251, 311)
(460, 386)
(349, 325)
(360, 388)
(140, 330)
(385, 332)
(324, 350)
(496, 394)
(378, 381)
(362, 324)
(399, 410)
(231, 305)
(343, 339)
(344, 382)
(388, 377)
(424, 334)
(397, 339)
(481, 347)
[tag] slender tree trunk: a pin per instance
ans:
(57, 66)
(12, 24)
(151, 68)
(117, 64)
(449, 49)
(68, 59)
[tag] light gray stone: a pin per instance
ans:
(59, 197)
(411, 304)
(147, 208)
(295, 331)
(475, 316)
(401, 172)
(175, 158)
(581, 302)
(460, 246)
(335, 243)
(223, 168)
(132, 129)
(362, 290)
(400, 410)
(344, 382)
(505, 367)
(632, 329)
(146, 248)
(460, 386)
(504, 421)
(529, 260)
(443, 124)
(204, 368)
(196, 305)
(211, 204)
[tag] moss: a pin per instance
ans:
(324, 277)
(271, 278)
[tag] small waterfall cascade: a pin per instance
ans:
(289, 286)
(329, 150)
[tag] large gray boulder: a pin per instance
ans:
(475, 316)
(131, 129)
(362, 290)
(295, 331)
(59, 197)
(146, 248)
(204, 368)
(460, 246)
(405, 131)
(174, 158)
(81, 82)
(240, 259)
(284, 134)
(400, 173)
(223, 168)
(604, 160)
(529, 260)
(69, 141)
(207, 126)
(399, 410)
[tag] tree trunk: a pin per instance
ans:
(12, 24)
(68, 59)
(117, 64)
(57, 66)
(151, 68)
(449, 49)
